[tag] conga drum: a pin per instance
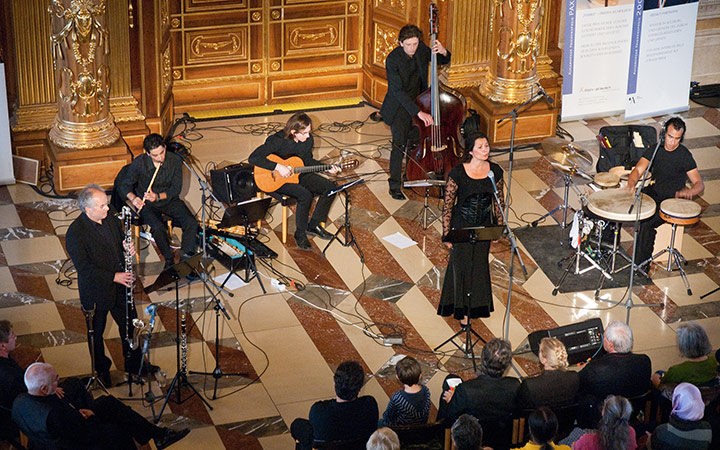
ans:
(677, 211)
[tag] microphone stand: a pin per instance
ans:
(345, 227)
(637, 205)
(514, 114)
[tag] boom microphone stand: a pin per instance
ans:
(349, 237)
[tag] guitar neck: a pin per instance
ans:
(310, 169)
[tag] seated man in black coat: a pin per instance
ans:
(619, 372)
(347, 417)
(490, 397)
(50, 421)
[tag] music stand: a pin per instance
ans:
(427, 184)
(349, 237)
(470, 235)
(166, 277)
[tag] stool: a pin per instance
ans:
(284, 201)
(677, 211)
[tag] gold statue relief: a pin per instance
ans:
(321, 36)
(385, 41)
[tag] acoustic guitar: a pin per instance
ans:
(271, 181)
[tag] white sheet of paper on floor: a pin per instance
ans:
(399, 240)
(233, 283)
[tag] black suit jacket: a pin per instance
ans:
(95, 262)
(550, 388)
(396, 66)
(626, 374)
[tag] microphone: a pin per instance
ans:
(491, 175)
(150, 308)
(545, 94)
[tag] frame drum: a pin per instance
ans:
(613, 205)
(606, 180)
(680, 211)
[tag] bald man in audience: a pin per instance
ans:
(50, 421)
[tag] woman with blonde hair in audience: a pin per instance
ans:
(383, 439)
(555, 386)
(614, 431)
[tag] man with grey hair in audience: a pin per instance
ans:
(619, 371)
(50, 421)
(466, 433)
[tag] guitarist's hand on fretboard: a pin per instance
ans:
(283, 170)
(335, 169)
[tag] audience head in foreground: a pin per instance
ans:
(383, 439)
(349, 378)
(466, 433)
(496, 356)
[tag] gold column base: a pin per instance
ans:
(75, 169)
(535, 122)
(84, 135)
(504, 90)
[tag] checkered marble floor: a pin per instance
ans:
(288, 342)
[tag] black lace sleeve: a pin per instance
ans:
(499, 183)
(450, 195)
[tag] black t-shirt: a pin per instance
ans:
(669, 171)
(336, 421)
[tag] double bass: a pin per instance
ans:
(439, 148)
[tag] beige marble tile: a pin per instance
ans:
(199, 358)
(294, 369)
(61, 221)
(424, 318)
(6, 281)
(711, 326)
(373, 388)
(712, 192)
(345, 261)
(412, 259)
(205, 437)
(277, 442)
(292, 411)
(706, 157)
(435, 386)
(373, 355)
(713, 223)
(578, 130)
(675, 288)
(528, 180)
(691, 249)
(699, 127)
(9, 217)
(377, 183)
(34, 318)
(524, 207)
(39, 249)
(263, 313)
(23, 193)
(253, 402)
(70, 360)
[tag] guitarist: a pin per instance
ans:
(295, 140)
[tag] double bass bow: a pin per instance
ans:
(439, 148)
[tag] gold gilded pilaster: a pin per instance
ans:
(80, 48)
(515, 27)
(470, 43)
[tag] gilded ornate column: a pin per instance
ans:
(80, 49)
(515, 33)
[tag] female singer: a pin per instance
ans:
(469, 202)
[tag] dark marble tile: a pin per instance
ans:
(695, 312)
(705, 236)
(316, 268)
(28, 283)
(710, 174)
(191, 406)
(35, 219)
(433, 279)
(52, 338)
(363, 219)
(5, 196)
(546, 172)
(72, 316)
(712, 115)
(12, 299)
(47, 268)
(429, 241)
(362, 198)
(378, 259)
(266, 426)
(26, 354)
(383, 288)
(16, 233)
(234, 439)
(387, 371)
(233, 360)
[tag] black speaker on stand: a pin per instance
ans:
(234, 183)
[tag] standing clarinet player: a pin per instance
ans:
(467, 292)
(96, 246)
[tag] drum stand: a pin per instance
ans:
(674, 256)
(628, 303)
(565, 206)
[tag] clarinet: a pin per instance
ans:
(126, 216)
(183, 339)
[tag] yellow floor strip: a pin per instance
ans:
(284, 107)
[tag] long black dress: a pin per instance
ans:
(469, 203)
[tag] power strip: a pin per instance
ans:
(390, 341)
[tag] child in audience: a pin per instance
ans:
(411, 405)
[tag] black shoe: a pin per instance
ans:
(320, 232)
(104, 378)
(397, 194)
(302, 242)
(170, 437)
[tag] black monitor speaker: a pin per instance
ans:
(582, 340)
(234, 183)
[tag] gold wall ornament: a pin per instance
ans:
(385, 42)
(516, 37)
(177, 75)
(175, 22)
(166, 67)
(353, 8)
(275, 66)
(80, 51)
(275, 14)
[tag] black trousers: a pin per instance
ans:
(102, 362)
(404, 136)
(124, 421)
(646, 236)
(311, 184)
(178, 211)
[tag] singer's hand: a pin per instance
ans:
(335, 169)
(124, 278)
(151, 196)
(284, 171)
(425, 117)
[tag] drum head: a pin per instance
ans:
(606, 180)
(680, 208)
(613, 205)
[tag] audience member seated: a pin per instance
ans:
(686, 429)
(347, 417)
(491, 397)
(555, 386)
(51, 422)
(614, 431)
(619, 372)
(701, 366)
(543, 427)
(383, 439)
(467, 434)
(411, 405)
